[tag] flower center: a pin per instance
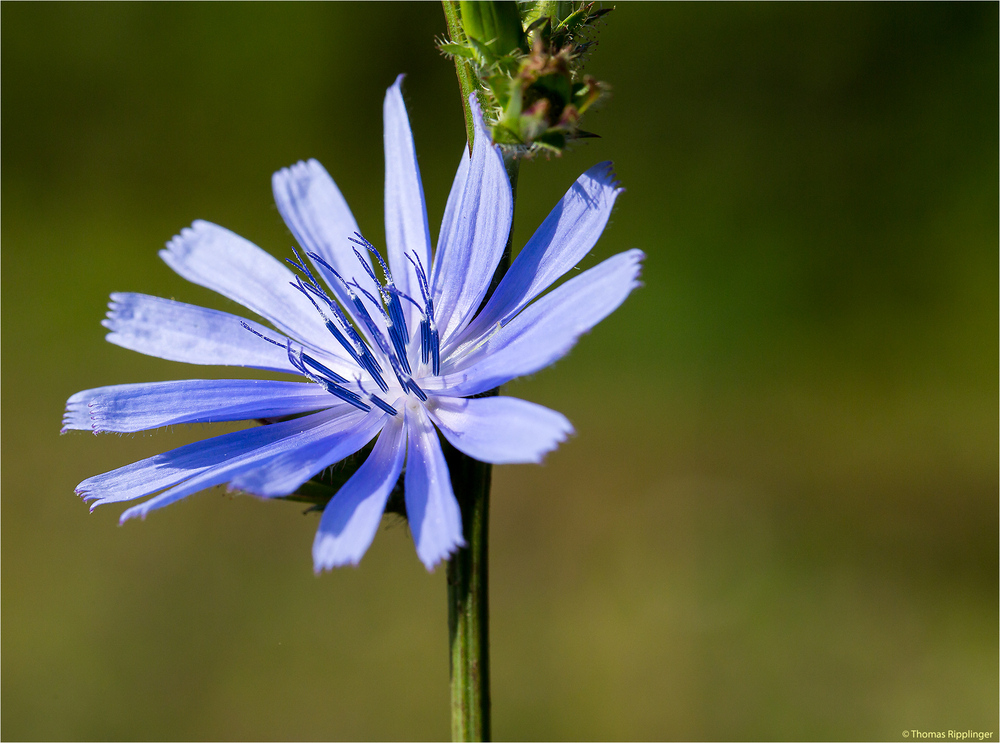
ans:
(391, 338)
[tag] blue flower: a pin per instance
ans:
(391, 357)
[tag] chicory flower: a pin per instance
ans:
(394, 351)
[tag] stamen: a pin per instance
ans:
(364, 355)
(390, 307)
(301, 265)
(435, 346)
(331, 387)
(261, 335)
(404, 295)
(397, 330)
(371, 249)
(416, 390)
(332, 375)
(380, 403)
(425, 340)
(356, 345)
(362, 310)
(395, 321)
(430, 347)
(372, 328)
(358, 350)
(345, 395)
(392, 325)
(421, 276)
(368, 269)
(371, 298)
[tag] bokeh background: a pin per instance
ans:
(779, 516)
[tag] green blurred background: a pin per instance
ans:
(778, 518)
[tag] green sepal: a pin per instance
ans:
(503, 134)
(482, 52)
(456, 50)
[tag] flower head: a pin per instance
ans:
(386, 349)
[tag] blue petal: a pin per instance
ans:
(317, 214)
(285, 472)
(303, 450)
(220, 260)
(127, 408)
(184, 332)
(500, 430)
(405, 212)
(452, 210)
(543, 332)
(351, 518)
(471, 244)
(169, 468)
(563, 239)
(431, 508)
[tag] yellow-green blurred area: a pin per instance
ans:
(778, 518)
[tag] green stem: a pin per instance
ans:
(468, 603)
(468, 569)
(466, 76)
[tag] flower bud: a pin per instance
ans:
(532, 96)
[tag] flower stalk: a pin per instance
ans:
(468, 568)
(468, 603)
(463, 67)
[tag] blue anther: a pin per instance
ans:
(371, 298)
(425, 340)
(380, 403)
(261, 335)
(362, 310)
(363, 354)
(334, 330)
(418, 266)
(435, 351)
(347, 287)
(371, 366)
(363, 242)
(376, 333)
(356, 300)
(397, 331)
(319, 259)
(297, 363)
(358, 350)
(430, 348)
(395, 320)
(368, 269)
(391, 309)
(330, 374)
(404, 295)
(331, 387)
(401, 377)
(301, 265)
(416, 390)
(345, 395)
